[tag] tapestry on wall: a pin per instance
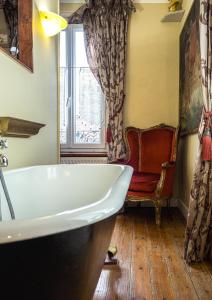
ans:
(191, 102)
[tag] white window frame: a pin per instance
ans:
(71, 146)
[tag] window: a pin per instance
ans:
(82, 104)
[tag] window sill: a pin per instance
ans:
(83, 154)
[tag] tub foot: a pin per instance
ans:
(112, 250)
(110, 261)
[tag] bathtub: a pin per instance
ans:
(65, 215)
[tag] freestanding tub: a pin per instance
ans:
(65, 215)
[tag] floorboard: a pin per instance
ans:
(151, 264)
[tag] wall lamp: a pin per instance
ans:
(52, 23)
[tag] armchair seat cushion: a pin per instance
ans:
(144, 182)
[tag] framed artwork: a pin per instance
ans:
(191, 98)
(16, 39)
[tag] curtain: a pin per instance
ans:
(199, 224)
(105, 25)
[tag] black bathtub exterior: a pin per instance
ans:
(63, 266)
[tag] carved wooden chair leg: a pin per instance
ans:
(168, 203)
(158, 212)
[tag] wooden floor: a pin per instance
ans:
(151, 264)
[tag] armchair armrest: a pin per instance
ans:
(168, 164)
(165, 183)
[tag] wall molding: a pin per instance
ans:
(183, 208)
(136, 1)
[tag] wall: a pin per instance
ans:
(32, 96)
(187, 149)
(152, 76)
(69, 7)
(152, 71)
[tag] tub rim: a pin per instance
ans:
(19, 230)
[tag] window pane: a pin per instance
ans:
(82, 107)
(80, 57)
(63, 58)
(63, 89)
(88, 98)
(88, 108)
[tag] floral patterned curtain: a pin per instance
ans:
(105, 25)
(198, 241)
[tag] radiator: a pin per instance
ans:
(83, 160)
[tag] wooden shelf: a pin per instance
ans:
(173, 16)
(13, 127)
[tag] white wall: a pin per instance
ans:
(32, 96)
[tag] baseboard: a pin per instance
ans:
(173, 203)
(183, 208)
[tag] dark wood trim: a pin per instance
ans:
(5, 52)
(85, 154)
(25, 35)
(25, 32)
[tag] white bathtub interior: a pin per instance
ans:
(49, 190)
(53, 199)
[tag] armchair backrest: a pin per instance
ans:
(147, 149)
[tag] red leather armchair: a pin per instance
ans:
(152, 154)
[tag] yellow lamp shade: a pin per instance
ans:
(52, 23)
